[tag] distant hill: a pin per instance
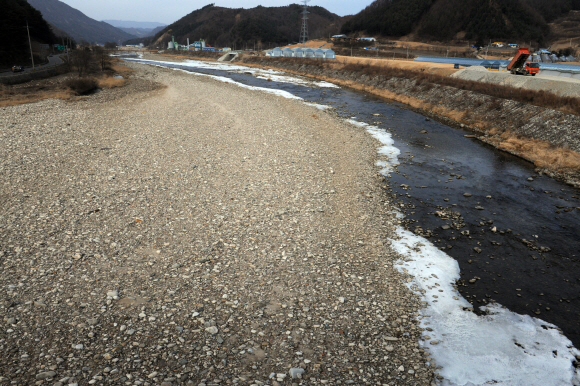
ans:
(14, 44)
(79, 26)
(134, 24)
(566, 27)
(140, 29)
(518, 20)
(238, 27)
(142, 32)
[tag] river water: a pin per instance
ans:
(515, 234)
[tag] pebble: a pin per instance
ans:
(45, 375)
(212, 330)
(296, 373)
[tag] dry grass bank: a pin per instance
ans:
(111, 82)
(13, 97)
(442, 69)
(65, 87)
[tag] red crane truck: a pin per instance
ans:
(520, 66)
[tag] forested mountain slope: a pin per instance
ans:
(76, 24)
(14, 43)
(471, 19)
(228, 27)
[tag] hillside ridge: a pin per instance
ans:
(76, 24)
(236, 27)
(443, 20)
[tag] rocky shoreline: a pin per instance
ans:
(147, 241)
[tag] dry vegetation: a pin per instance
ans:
(12, 96)
(111, 82)
(118, 68)
(543, 154)
(65, 87)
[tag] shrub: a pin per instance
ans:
(82, 86)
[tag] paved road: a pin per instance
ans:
(52, 61)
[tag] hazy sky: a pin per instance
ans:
(168, 11)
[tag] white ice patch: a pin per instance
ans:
(319, 107)
(281, 93)
(501, 348)
(388, 149)
(290, 79)
(273, 75)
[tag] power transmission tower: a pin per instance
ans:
(304, 30)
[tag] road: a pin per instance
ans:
(52, 61)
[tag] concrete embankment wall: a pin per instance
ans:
(41, 73)
(553, 81)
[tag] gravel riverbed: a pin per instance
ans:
(197, 233)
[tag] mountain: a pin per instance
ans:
(13, 18)
(141, 32)
(79, 26)
(134, 24)
(518, 20)
(139, 29)
(220, 26)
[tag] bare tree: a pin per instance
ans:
(102, 56)
(83, 61)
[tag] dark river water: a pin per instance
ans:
(515, 234)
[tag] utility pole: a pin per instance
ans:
(30, 44)
(304, 30)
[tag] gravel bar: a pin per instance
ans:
(197, 233)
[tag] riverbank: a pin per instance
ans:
(145, 241)
(544, 136)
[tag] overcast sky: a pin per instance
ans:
(168, 11)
